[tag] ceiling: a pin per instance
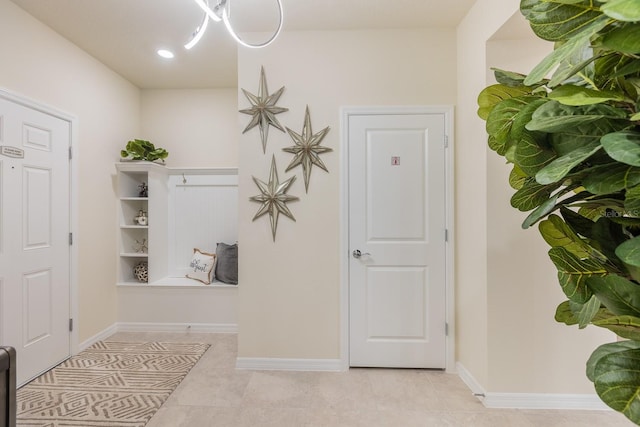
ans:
(125, 34)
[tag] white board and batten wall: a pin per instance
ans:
(187, 208)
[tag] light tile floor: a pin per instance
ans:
(214, 393)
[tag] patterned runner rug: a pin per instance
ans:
(110, 384)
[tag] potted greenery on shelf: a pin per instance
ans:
(139, 149)
(574, 142)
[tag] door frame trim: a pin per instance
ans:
(73, 200)
(345, 114)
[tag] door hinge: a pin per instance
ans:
(446, 329)
(446, 141)
(70, 239)
(446, 235)
(70, 152)
(70, 325)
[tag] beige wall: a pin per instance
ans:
(507, 290)
(289, 295)
(40, 65)
(197, 127)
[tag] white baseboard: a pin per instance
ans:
(98, 337)
(211, 328)
(530, 400)
(544, 401)
(466, 377)
(275, 364)
(217, 328)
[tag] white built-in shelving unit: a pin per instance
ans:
(186, 208)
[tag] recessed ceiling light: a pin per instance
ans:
(165, 53)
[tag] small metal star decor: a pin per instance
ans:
(264, 110)
(273, 197)
(307, 149)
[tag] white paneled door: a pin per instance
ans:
(397, 240)
(34, 237)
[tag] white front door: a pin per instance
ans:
(34, 237)
(397, 240)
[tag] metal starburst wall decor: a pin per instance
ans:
(273, 198)
(263, 110)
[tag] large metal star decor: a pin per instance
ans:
(273, 197)
(264, 110)
(307, 149)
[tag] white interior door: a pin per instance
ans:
(34, 237)
(397, 240)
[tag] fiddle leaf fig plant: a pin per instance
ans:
(139, 149)
(571, 131)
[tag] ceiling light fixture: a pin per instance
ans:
(221, 12)
(198, 33)
(165, 53)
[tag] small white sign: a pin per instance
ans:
(14, 152)
(395, 161)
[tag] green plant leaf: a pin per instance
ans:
(623, 146)
(622, 10)
(555, 117)
(578, 95)
(569, 68)
(571, 313)
(560, 167)
(506, 122)
(605, 350)
(561, 53)
(541, 211)
(508, 78)
(586, 312)
(613, 368)
(558, 234)
(565, 315)
(523, 117)
(575, 137)
(517, 178)
(606, 237)
(610, 178)
(531, 195)
(624, 326)
(619, 295)
(624, 39)
(626, 69)
(573, 273)
(530, 154)
(558, 19)
(578, 223)
(629, 253)
(632, 201)
(494, 94)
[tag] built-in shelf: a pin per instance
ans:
(134, 226)
(134, 254)
(178, 282)
(142, 199)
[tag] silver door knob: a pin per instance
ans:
(358, 254)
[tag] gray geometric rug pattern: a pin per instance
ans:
(110, 384)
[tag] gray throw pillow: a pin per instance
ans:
(227, 263)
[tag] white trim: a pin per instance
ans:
(220, 328)
(106, 333)
(544, 401)
(73, 201)
(274, 364)
(345, 113)
(466, 377)
(211, 328)
(530, 400)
